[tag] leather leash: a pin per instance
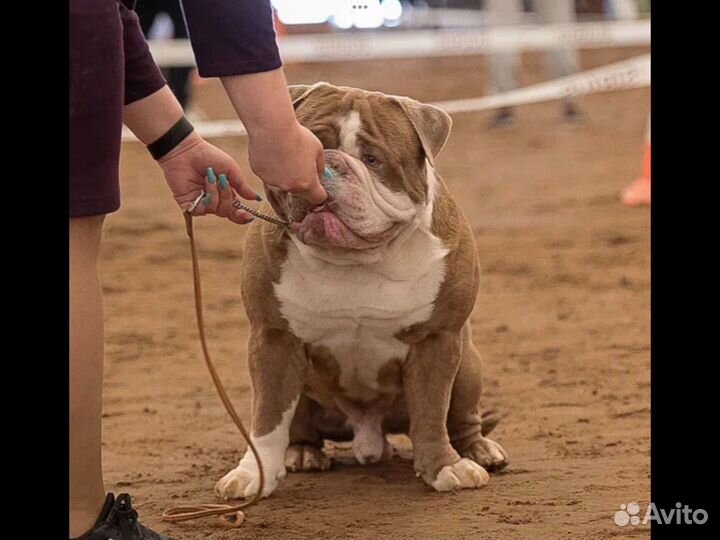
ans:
(229, 515)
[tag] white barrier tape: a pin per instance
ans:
(627, 74)
(429, 43)
(632, 73)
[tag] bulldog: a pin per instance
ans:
(359, 309)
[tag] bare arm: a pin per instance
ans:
(282, 153)
(149, 118)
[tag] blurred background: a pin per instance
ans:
(549, 159)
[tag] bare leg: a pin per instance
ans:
(87, 492)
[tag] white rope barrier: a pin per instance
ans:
(433, 43)
(627, 74)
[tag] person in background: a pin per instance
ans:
(504, 65)
(178, 78)
(114, 80)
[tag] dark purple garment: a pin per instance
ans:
(232, 37)
(111, 66)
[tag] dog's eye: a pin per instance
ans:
(370, 160)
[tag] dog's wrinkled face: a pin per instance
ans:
(376, 148)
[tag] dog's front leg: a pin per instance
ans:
(277, 363)
(428, 380)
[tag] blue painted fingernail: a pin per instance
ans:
(258, 198)
(211, 175)
(207, 198)
(224, 184)
(328, 174)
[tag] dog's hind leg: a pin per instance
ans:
(305, 452)
(466, 426)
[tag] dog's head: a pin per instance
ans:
(377, 150)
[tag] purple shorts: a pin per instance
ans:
(96, 106)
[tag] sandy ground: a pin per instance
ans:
(562, 320)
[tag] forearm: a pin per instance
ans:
(151, 117)
(262, 102)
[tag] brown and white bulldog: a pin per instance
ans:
(359, 310)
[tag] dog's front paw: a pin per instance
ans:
(460, 475)
(244, 481)
(487, 453)
(306, 458)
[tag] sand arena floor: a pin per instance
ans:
(562, 320)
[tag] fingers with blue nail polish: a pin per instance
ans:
(224, 184)
(213, 199)
(328, 174)
(211, 175)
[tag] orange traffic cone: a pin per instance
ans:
(638, 193)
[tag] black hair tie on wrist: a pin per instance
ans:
(173, 136)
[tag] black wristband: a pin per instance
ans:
(173, 136)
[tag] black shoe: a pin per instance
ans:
(504, 117)
(118, 521)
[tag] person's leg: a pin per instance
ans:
(563, 61)
(93, 515)
(96, 106)
(503, 66)
(87, 492)
(96, 101)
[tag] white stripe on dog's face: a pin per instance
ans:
(244, 480)
(349, 128)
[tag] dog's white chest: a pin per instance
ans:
(355, 311)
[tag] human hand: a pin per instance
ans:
(195, 166)
(291, 160)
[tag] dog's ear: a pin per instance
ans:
(299, 92)
(431, 124)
